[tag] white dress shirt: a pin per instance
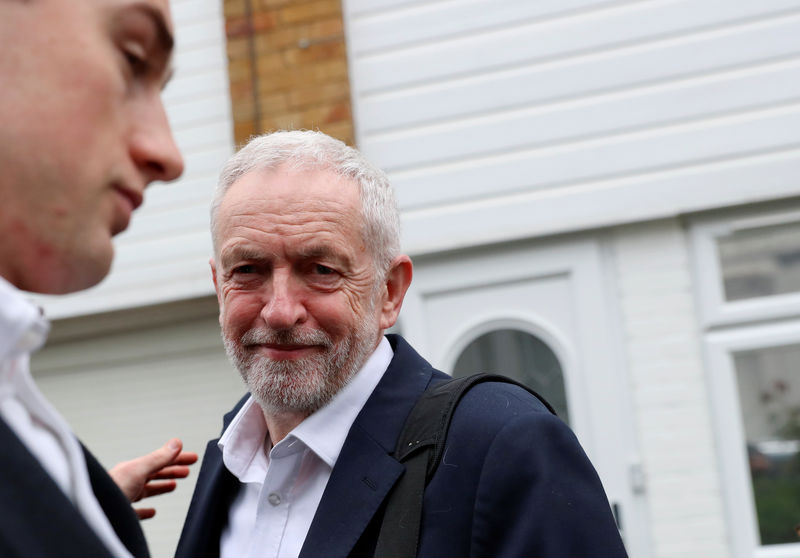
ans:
(282, 488)
(35, 421)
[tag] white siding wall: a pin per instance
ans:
(501, 119)
(126, 383)
(662, 344)
(164, 254)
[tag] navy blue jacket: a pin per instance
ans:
(37, 520)
(513, 481)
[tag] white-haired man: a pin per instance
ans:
(308, 272)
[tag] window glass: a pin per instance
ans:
(761, 261)
(769, 394)
(521, 356)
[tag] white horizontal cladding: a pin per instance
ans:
(200, 135)
(622, 28)
(367, 7)
(189, 113)
(163, 256)
(417, 23)
(599, 71)
(605, 158)
(190, 191)
(505, 119)
(191, 10)
(207, 159)
(181, 272)
(188, 86)
(162, 226)
(197, 59)
(200, 32)
(602, 203)
(691, 101)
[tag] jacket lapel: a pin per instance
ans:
(352, 497)
(38, 518)
(366, 471)
(214, 492)
(117, 508)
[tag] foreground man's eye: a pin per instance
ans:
(137, 62)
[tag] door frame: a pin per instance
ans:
(591, 354)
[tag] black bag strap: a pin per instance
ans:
(420, 447)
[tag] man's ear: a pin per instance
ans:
(398, 279)
(216, 286)
(213, 266)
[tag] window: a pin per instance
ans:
(748, 271)
(769, 398)
(760, 261)
(521, 356)
(748, 267)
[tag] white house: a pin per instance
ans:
(602, 197)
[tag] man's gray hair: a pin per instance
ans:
(309, 150)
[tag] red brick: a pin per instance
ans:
(332, 91)
(297, 86)
(296, 12)
(238, 27)
(325, 50)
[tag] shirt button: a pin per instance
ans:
(274, 498)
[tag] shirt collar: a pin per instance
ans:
(324, 432)
(242, 443)
(23, 328)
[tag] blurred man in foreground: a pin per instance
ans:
(83, 133)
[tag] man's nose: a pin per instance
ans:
(284, 307)
(152, 146)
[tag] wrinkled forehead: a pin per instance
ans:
(288, 190)
(311, 189)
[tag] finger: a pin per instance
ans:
(145, 513)
(131, 475)
(143, 467)
(156, 488)
(185, 458)
(172, 472)
(160, 458)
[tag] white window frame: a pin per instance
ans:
(729, 327)
(544, 332)
(730, 435)
(715, 310)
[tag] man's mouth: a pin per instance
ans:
(278, 351)
(128, 200)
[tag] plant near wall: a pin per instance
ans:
(776, 486)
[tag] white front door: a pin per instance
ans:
(541, 312)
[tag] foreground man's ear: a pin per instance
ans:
(398, 279)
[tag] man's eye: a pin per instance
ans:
(323, 270)
(243, 270)
(137, 61)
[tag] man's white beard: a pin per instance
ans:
(302, 385)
